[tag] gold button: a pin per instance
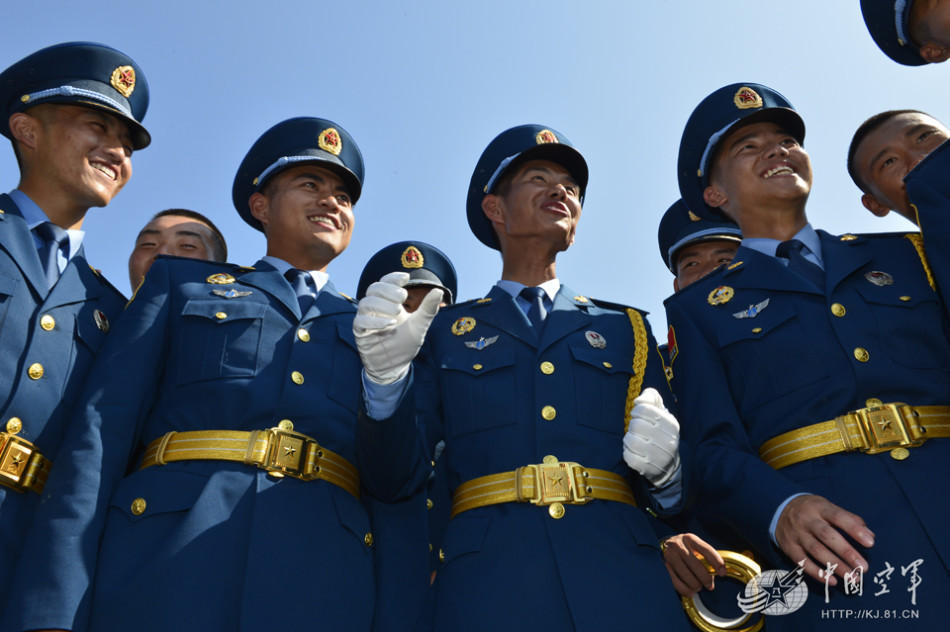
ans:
(556, 510)
(549, 459)
(873, 402)
(861, 354)
(441, 555)
(838, 309)
(608, 365)
(35, 371)
(47, 322)
(547, 368)
(220, 315)
(756, 330)
(477, 366)
(303, 335)
(429, 503)
(899, 454)
(549, 413)
(14, 425)
(285, 424)
(368, 539)
(905, 298)
(430, 547)
(296, 377)
(138, 506)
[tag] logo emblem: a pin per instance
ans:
(746, 98)
(481, 343)
(123, 80)
(693, 217)
(595, 340)
(879, 278)
(752, 311)
(329, 140)
(721, 295)
(220, 278)
(102, 321)
(232, 293)
(412, 258)
(544, 137)
(775, 592)
(463, 325)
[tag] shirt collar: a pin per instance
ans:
(806, 235)
(514, 288)
(319, 278)
(33, 215)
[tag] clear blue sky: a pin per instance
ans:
(423, 86)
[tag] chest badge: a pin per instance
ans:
(232, 293)
(220, 278)
(879, 278)
(753, 310)
(102, 321)
(721, 295)
(481, 343)
(595, 340)
(463, 325)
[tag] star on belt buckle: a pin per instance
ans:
(885, 427)
(555, 483)
(286, 453)
(14, 457)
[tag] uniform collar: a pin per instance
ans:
(319, 277)
(806, 235)
(33, 215)
(514, 288)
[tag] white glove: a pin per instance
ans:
(387, 336)
(653, 436)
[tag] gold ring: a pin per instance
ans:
(738, 567)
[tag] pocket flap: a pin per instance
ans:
(609, 362)
(150, 491)
(479, 362)
(223, 311)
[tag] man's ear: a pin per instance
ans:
(871, 204)
(493, 209)
(24, 129)
(714, 196)
(934, 53)
(260, 208)
(676, 285)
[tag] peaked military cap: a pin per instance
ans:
(78, 73)
(681, 227)
(507, 151)
(716, 116)
(426, 265)
(293, 142)
(887, 21)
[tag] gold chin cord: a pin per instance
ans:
(742, 569)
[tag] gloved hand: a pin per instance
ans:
(387, 336)
(653, 436)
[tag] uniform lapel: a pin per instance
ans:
(565, 317)
(503, 313)
(266, 278)
(752, 269)
(78, 283)
(17, 240)
(842, 257)
(329, 301)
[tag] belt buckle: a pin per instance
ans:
(15, 456)
(286, 453)
(555, 483)
(886, 427)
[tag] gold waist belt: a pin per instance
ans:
(280, 451)
(22, 467)
(551, 483)
(889, 427)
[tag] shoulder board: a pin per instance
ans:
(347, 297)
(106, 282)
(620, 307)
(859, 236)
(475, 302)
(204, 263)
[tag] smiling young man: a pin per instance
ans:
(73, 113)
(532, 388)
(776, 348)
(211, 459)
(178, 232)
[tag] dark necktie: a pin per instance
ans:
(536, 310)
(54, 238)
(304, 288)
(792, 250)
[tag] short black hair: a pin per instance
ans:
(862, 132)
(219, 245)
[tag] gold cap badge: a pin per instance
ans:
(220, 278)
(746, 98)
(721, 295)
(329, 140)
(412, 258)
(693, 217)
(545, 136)
(463, 325)
(123, 80)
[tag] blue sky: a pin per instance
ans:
(423, 86)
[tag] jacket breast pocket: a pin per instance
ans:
(910, 324)
(219, 339)
(478, 390)
(601, 381)
(345, 381)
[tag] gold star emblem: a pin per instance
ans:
(15, 462)
(289, 450)
(556, 480)
(885, 424)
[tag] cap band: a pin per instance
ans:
(279, 163)
(71, 91)
(722, 233)
(899, 7)
(497, 173)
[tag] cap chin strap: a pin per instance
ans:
(71, 91)
(279, 163)
(900, 6)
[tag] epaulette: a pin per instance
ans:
(469, 303)
(619, 307)
(106, 282)
(348, 297)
